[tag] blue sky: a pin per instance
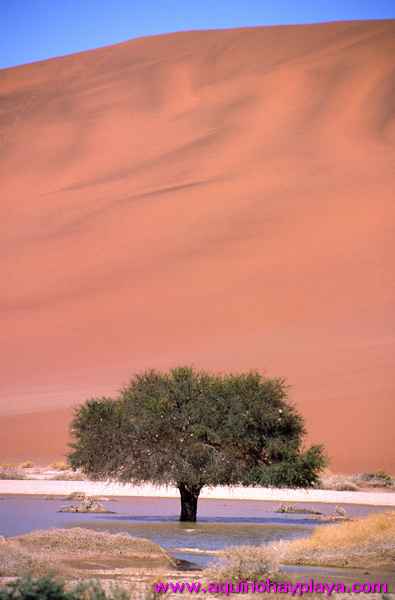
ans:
(33, 30)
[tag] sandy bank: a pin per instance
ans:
(91, 488)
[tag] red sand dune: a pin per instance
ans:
(216, 198)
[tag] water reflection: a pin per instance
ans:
(221, 522)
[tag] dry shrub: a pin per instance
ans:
(358, 481)
(11, 473)
(376, 527)
(149, 590)
(79, 539)
(339, 483)
(67, 551)
(72, 544)
(364, 542)
(67, 476)
(27, 464)
(60, 466)
(17, 561)
(241, 563)
(377, 479)
(346, 487)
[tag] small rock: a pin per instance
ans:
(88, 505)
(340, 511)
(292, 509)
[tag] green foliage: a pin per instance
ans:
(44, 588)
(296, 470)
(192, 428)
(96, 426)
(49, 588)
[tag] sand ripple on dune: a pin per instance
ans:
(221, 198)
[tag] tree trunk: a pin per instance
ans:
(189, 499)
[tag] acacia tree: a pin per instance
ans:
(191, 429)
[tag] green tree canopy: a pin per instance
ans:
(191, 428)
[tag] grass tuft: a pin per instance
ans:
(67, 476)
(60, 466)
(241, 563)
(27, 464)
(367, 542)
(358, 481)
(11, 473)
(364, 543)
